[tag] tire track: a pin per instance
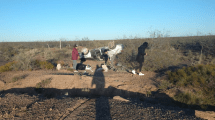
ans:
(75, 110)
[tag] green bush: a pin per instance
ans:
(6, 67)
(43, 83)
(193, 99)
(46, 65)
(188, 98)
(200, 78)
(196, 76)
(165, 85)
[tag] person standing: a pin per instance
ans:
(106, 57)
(140, 58)
(75, 57)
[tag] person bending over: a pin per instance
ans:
(140, 58)
(106, 57)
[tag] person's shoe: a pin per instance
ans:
(141, 73)
(75, 71)
(133, 71)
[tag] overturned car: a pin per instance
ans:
(98, 52)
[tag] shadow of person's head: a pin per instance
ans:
(97, 66)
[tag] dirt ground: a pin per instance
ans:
(84, 96)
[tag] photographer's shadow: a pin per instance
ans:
(102, 103)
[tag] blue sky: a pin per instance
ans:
(35, 20)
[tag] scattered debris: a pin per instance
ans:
(119, 64)
(120, 98)
(98, 52)
(105, 68)
(58, 66)
(66, 94)
(88, 67)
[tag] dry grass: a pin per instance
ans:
(162, 52)
(160, 55)
(43, 83)
(17, 78)
(70, 69)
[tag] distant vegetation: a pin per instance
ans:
(163, 53)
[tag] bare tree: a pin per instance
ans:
(48, 45)
(60, 44)
(62, 39)
(158, 34)
(198, 33)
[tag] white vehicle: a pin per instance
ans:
(98, 52)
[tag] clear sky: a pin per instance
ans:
(35, 20)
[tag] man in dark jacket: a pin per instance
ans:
(106, 57)
(140, 57)
(75, 57)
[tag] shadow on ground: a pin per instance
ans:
(102, 105)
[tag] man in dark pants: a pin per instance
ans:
(106, 57)
(140, 58)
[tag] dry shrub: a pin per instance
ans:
(213, 61)
(6, 67)
(164, 85)
(46, 53)
(16, 78)
(8, 51)
(196, 49)
(62, 54)
(70, 69)
(46, 65)
(61, 62)
(37, 64)
(24, 59)
(188, 98)
(43, 83)
(160, 55)
(162, 52)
